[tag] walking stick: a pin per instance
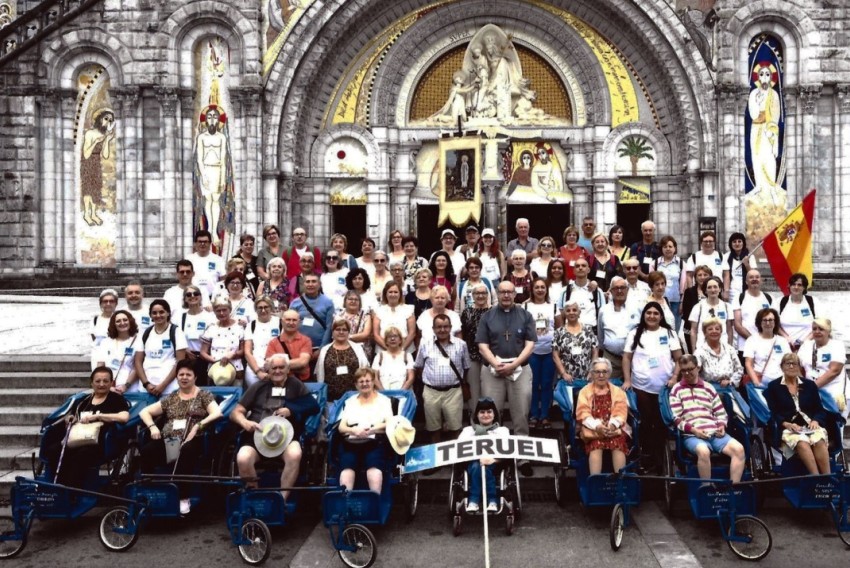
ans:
(62, 453)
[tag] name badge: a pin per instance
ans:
(179, 424)
(128, 351)
(166, 344)
(309, 322)
(342, 370)
(279, 391)
(647, 260)
(86, 414)
(444, 362)
(653, 363)
(805, 312)
(662, 340)
(721, 315)
(519, 289)
(777, 348)
(202, 325)
(249, 275)
(240, 311)
(600, 274)
(572, 263)
(275, 332)
(211, 266)
(576, 350)
(826, 358)
(146, 320)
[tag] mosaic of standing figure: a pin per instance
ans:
(764, 139)
(94, 138)
(214, 196)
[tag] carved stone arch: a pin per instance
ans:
(329, 135)
(413, 54)
(659, 143)
(185, 52)
(794, 30)
(194, 20)
(64, 57)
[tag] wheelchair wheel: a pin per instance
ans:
(10, 544)
(758, 543)
(114, 534)
(361, 547)
(225, 463)
(669, 471)
(124, 467)
(618, 523)
(411, 497)
(455, 493)
(758, 458)
(257, 534)
(457, 525)
(842, 522)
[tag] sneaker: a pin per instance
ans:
(185, 506)
(472, 507)
(492, 507)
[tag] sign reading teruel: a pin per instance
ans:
(503, 447)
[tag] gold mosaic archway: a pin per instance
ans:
(430, 93)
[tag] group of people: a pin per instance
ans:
(474, 322)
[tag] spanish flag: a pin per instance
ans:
(789, 246)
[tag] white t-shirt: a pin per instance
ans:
(100, 331)
(736, 278)
(585, 299)
(194, 327)
(702, 311)
(796, 319)
(118, 355)
(262, 334)
(208, 271)
(673, 273)
(490, 268)
(243, 311)
(142, 317)
(652, 360)
(393, 370)
(397, 317)
(637, 295)
(544, 322)
(333, 286)
(224, 340)
(425, 323)
(539, 267)
(160, 354)
(759, 350)
(832, 352)
(749, 307)
(714, 261)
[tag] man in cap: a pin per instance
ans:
(470, 247)
(276, 397)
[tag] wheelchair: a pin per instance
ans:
(507, 493)
(347, 514)
(829, 492)
(619, 490)
(158, 495)
(733, 506)
(41, 498)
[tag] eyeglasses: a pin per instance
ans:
(263, 308)
(507, 292)
(192, 294)
(277, 368)
(599, 372)
(791, 364)
(481, 293)
(619, 288)
(203, 242)
(687, 371)
(631, 268)
(184, 272)
(299, 234)
(546, 245)
(708, 242)
(380, 260)
(331, 258)
(769, 320)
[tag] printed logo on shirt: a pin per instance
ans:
(721, 315)
(202, 325)
(777, 348)
(765, 305)
(146, 320)
(805, 312)
(717, 261)
(128, 351)
(826, 357)
(240, 311)
(211, 265)
(662, 340)
(166, 344)
(340, 281)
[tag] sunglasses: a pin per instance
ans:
(192, 294)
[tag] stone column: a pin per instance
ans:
(400, 209)
(377, 212)
(809, 95)
(316, 210)
(252, 219)
(50, 179)
(127, 163)
(284, 188)
(731, 102)
(170, 231)
(68, 202)
(841, 210)
(185, 192)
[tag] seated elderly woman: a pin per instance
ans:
(718, 361)
(102, 408)
(602, 411)
(699, 413)
(363, 423)
(795, 404)
(485, 422)
(187, 412)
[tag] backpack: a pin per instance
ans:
(694, 257)
(254, 325)
(766, 295)
(172, 334)
(809, 300)
(568, 292)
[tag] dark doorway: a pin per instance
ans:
(350, 220)
(630, 217)
(544, 220)
(428, 232)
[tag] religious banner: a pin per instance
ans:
(634, 191)
(460, 180)
(533, 173)
(764, 139)
(500, 447)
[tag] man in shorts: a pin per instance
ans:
(282, 396)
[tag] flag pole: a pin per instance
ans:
(484, 507)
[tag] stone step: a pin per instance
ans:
(35, 396)
(7, 480)
(18, 436)
(44, 379)
(16, 457)
(24, 415)
(24, 363)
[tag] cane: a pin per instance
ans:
(62, 453)
(182, 442)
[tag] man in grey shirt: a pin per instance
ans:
(505, 337)
(523, 241)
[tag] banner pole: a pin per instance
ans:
(484, 508)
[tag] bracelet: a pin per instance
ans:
(152, 426)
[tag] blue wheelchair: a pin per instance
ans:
(732, 505)
(250, 512)
(619, 490)
(347, 514)
(830, 492)
(157, 495)
(41, 498)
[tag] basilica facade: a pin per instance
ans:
(130, 124)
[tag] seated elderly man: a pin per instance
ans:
(280, 396)
(699, 413)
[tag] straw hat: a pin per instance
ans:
(274, 435)
(222, 375)
(400, 433)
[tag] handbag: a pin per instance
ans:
(83, 434)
